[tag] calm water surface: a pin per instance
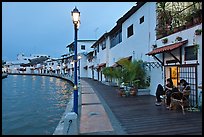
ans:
(33, 104)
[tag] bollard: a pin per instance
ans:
(70, 124)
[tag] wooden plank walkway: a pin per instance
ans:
(139, 116)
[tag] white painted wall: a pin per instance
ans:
(188, 34)
(87, 44)
(156, 77)
(143, 35)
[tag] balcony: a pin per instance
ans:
(172, 17)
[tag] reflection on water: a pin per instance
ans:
(33, 104)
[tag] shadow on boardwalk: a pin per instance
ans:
(139, 115)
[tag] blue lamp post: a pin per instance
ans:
(76, 21)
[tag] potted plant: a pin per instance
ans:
(154, 46)
(165, 40)
(198, 31)
(178, 38)
(196, 47)
(134, 88)
(108, 73)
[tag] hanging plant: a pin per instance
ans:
(165, 40)
(178, 38)
(154, 46)
(196, 47)
(198, 32)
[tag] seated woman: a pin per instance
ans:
(159, 92)
(182, 96)
(184, 92)
(169, 88)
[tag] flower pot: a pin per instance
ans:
(164, 41)
(198, 32)
(178, 38)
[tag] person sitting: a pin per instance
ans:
(169, 88)
(184, 91)
(159, 92)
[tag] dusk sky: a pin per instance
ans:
(47, 28)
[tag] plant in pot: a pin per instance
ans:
(134, 88)
(198, 31)
(108, 73)
(139, 78)
(117, 74)
(127, 75)
(154, 46)
(196, 47)
(178, 38)
(165, 40)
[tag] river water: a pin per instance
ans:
(33, 105)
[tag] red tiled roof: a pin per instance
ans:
(167, 48)
(100, 65)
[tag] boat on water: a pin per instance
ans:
(4, 75)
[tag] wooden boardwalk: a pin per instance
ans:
(139, 116)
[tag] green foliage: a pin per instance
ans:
(198, 31)
(130, 73)
(108, 72)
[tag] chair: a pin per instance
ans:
(177, 98)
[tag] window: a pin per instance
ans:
(141, 19)
(130, 31)
(82, 47)
(103, 45)
(97, 47)
(191, 52)
(95, 52)
(116, 38)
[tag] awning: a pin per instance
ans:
(100, 65)
(167, 48)
(123, 59)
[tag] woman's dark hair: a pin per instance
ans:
(184, 82)
(160, 89)
(170, 81)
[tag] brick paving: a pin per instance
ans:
(93, 117)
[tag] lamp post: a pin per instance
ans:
(76, 20)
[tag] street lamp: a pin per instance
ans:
(76, 20)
